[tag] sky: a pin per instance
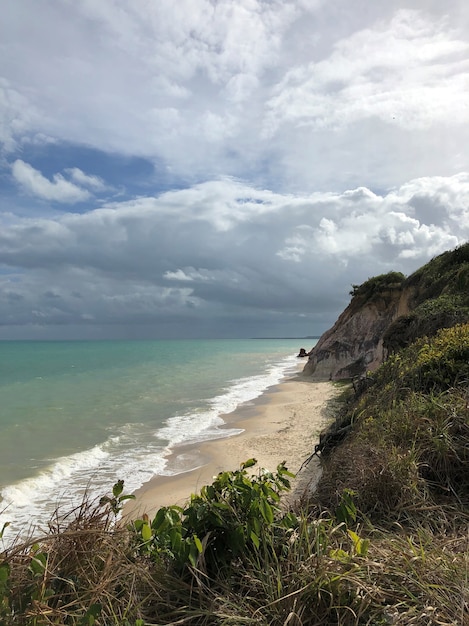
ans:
(223, 168)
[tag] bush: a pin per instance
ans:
(430, 364)
(426, 320)
(226, 520)
(375, 286)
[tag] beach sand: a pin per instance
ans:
(282, 425)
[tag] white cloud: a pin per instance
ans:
(86, 180)
(57, 190)
(410, 72)
(177, 275)
(116, 264)
(285, 92)
(17, 115)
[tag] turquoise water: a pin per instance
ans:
(78, 416)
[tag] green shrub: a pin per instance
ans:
(447, 273)
(429, 364)
(221, 523)
(409, 438)
(376, 285)
(426, 320)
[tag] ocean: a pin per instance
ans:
(76, 416)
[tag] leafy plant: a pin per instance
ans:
(222, 522)
(346, 512)
(116, 501)
(89, 618)
(5, 525)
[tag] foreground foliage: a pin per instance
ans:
(383, 540)
(226, 520)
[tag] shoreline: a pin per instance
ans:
(283, 424)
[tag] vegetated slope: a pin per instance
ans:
(403, 460)
(438, 297)
(407, 442)
(389, 311)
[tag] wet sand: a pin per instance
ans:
(282, 425)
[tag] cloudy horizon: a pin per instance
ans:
(223, 168)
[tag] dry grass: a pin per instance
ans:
(82, 563)
(315, 574)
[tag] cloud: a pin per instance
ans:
(280, 93)
(177, 275)
(218, 248)
(410, 72)
(17, 115)
(263, 156)
(57, 190)
(86, 180)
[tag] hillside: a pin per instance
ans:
(389, 311)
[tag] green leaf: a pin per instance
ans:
(208, 492)
(270, 493)
(282, 471)
(364, 547)
(159, 519)
(221, 505)
(266, 511)
(361, 545)
(340, 555)
(130, 496)
(193, 554)
(346, 511)
(173, 514)
(137, 524)
(91, 614)
(290, 520)
(198, 544)
(256, 524)
(38, 563)
(175, 538)
(255, 539)
(4, 573)
(248, 463)
(238, 539)
(5, 525)
(118, 488)
(146, 532)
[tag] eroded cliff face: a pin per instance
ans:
(435, 296)
(354, 345)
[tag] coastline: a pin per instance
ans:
(283, 424)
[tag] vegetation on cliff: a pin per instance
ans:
(439, 299)
(383, 540)
(376, 286)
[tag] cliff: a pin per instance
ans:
(390, 311)
(355, 343)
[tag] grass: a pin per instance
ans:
(383, 540)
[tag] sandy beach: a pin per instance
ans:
(282, 425)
